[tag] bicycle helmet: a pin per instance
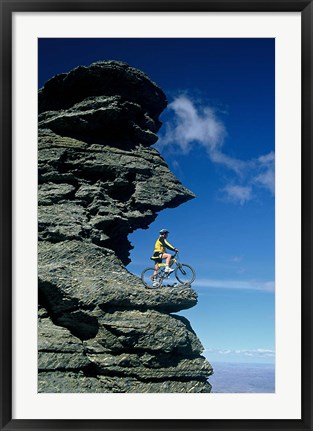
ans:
(163, 231)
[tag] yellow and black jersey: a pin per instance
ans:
(161, 245)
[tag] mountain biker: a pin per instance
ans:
(160, 254)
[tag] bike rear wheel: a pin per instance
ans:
(148, 279)
(185, 274)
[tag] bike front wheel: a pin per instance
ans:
(185, 274)
(149, 280)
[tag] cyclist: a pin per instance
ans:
(160, 254)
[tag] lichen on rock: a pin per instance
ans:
(100, 329)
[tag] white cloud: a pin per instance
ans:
(197, 125)
(240, 194)
(266, 177)
(267, 159)
(192, 125)
(259, 353)
(236, 259)
(265, 286)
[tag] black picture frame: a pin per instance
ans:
(8, 7)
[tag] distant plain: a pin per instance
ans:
(243, 378)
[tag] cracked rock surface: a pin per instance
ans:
(100, 329)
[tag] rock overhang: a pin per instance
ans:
(99, 180)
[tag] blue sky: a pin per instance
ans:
(218, 139)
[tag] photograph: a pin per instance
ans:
(156, 215)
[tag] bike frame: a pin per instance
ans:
(172, 261)
(158, 274)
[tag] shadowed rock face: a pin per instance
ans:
(100, 330)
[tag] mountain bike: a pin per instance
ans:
(184, 273)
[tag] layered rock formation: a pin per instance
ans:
(100, 329)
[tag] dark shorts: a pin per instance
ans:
(157, 257)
